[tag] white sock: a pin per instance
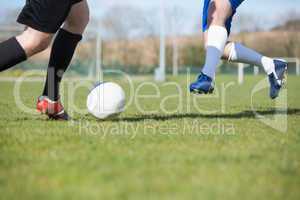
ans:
(242, 54)
(217, 38)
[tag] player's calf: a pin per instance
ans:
(63, 48)
(11, 53)
(275, 69)
(34, 41)
(17, 49)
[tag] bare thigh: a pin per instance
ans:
(78, 18)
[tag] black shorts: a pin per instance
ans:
(45, 15)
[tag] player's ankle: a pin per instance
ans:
(268, 65)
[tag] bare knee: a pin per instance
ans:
(78, 18)
(219, 12)
(34, 41)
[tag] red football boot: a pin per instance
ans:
(54, 109)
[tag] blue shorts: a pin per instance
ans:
(234, 4)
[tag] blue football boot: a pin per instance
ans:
(277, 79)
(203, 85)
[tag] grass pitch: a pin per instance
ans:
(159, 148)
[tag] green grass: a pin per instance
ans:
(157, 155)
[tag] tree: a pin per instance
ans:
(122, 22)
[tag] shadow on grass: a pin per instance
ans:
(164, 117)
(240, 115)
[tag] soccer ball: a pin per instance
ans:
(106, 100)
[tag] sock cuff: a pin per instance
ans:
(268, 64)
(217, 37)
(12, 53)
(218, 28)
(19, 48)
(66, 34)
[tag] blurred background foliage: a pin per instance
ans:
(130, 40)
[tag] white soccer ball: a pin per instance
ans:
(106, 100)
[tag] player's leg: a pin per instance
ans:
(62, 52)
(236, 52)
(275, 69)
(17, 49)
(217, 35)
(64, 47)
(215, 18)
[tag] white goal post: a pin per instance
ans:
(242, 66)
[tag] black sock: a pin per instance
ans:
(61, 55)
(11, 53)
